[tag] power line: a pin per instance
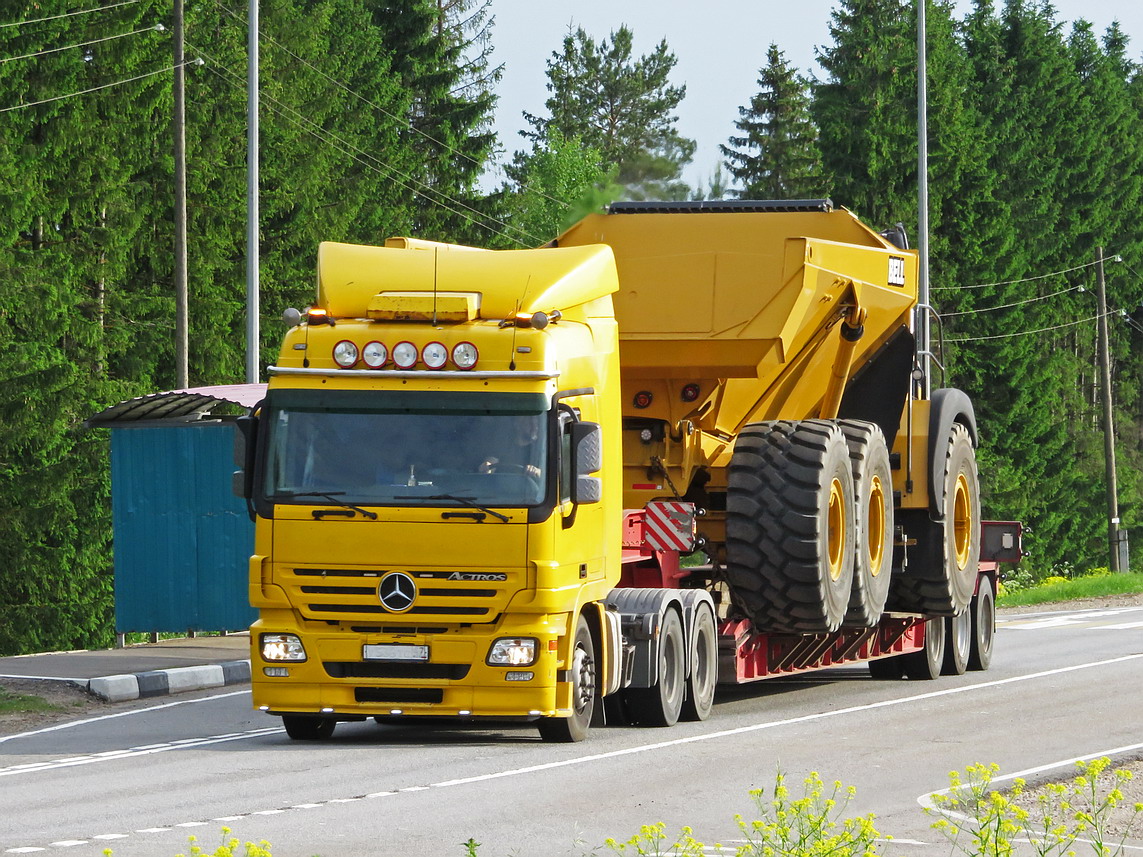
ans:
(1095, 317)
(1027, 279)
(333, 139)
(69, 14)
(1014, 304)
(94, 88)
(157, 27)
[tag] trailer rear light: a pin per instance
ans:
(464, 355)
(690, 392)
(405, 355)
(345, 354)
(513, 652)
(435, 355)
(643, 399)
(375, 355)
(282, 647)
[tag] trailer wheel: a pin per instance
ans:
(584, 692)
(983, 626)
(926, 664)
(790, 526)
(662, 703)
(703, 676)
(302, 727)
(958, 643)
(873, 497)
(940, 574)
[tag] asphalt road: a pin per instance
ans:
(142, 780)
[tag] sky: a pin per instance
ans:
(720, 45)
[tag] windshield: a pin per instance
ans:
(408, 457)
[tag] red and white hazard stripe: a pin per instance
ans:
(669, 526)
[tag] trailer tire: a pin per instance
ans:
(873, 498)
(983, 626)
(662, 703)
(302, 727)
(585, 694)
(926, 664)
(958, 643)
(703, 674)
(939, 577)
(790, 526)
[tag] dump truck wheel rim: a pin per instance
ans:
(962, 521)
(876, 528)
(835, 522)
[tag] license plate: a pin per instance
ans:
(395, 652)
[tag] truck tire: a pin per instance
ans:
(940, 573)
(703, 674)
(662, 703)
(958, 643)
(568, 730)
(926, 664)
(983, 626)
(790, 526)
(302, 727)
(873, 498)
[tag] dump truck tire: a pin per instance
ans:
(939, 578)
(790, 526)
(873, 497)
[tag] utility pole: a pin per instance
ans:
(182, 341)
(252, 215)
(921, 322)
(1108, 422)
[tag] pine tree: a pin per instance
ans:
(621, 105)
(776, 155)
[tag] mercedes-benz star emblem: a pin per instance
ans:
(397, 592)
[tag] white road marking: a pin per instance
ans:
(661, 745)
(1078, 619)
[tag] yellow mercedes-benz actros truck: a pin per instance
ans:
(477, 475)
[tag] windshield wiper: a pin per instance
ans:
(466, 501)
(331, 496)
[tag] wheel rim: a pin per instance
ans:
(876, 529)
(584, 671)
(835, 523)
(962, 521)
(962, 630)
(985, 623)
(672, 674)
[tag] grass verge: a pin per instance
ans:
(1094, 586)
(23, 703)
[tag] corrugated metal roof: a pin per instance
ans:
(190, 405)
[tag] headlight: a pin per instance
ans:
(375, 355)
(405, 355)
(435, 355)
(464, 355)
(282, 647)
(513, 652)
(345, 354)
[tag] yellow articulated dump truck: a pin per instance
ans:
(685, 444)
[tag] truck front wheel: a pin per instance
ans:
(584, 692)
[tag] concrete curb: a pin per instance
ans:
(122, 688)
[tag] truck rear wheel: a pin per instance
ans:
(983, 626)
(873, 496)
(790, 526)
(926, 664)
(662, 703)
(940, 574)
(703, 675)
(584, 692)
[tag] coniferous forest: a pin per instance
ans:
(376, 120)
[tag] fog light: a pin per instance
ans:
(519, 676)
(278, 672)
(282, 647)
(513, 652)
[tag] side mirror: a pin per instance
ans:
(242, 482)
(587, 458)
